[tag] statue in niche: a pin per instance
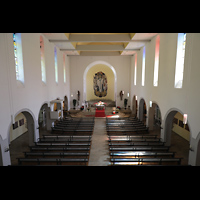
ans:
(100, 84)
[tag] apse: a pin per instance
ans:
(100, 82)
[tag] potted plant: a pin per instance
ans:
(125, 103)
(74, 103)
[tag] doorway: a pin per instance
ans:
(21, 135)
(142, 111)
(154, 119)
(177, 134)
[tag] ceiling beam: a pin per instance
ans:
(102, 53)
(60, 41)
(99, 49)
(100, 37)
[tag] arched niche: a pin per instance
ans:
(142, 110)
(154, 116)
(93, 64)
(134, 106)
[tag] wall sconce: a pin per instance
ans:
(136, 98)
(127, 94)
(185, 119)
(150, 104)
(121, 94)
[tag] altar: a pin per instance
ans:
(100, 109)
(100, 105)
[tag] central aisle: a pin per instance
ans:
(99, 151)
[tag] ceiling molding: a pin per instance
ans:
(103, 44)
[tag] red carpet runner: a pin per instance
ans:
(100, 113)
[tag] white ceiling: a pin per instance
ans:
(99, 44)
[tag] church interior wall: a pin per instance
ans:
(121, 64)
(33, 93)
(185, 99)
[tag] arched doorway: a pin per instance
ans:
(134, 106)
(65, 103)
(142, 111)
(154, 118)
(22, 134)
(42, 118)
(65, 106)
(85, 78)
(177, 134)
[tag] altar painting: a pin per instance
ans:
(100, 84)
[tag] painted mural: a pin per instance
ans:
(100, 84)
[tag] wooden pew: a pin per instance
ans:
(58, 130)
(142, 161)
(126, 144)
(59, 149)
(52, 161)
(139, 148)
(128, 131)
(56, 154)
(53, 144)
(128, 137)
(138, 154)
(64, 140)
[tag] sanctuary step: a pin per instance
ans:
(100, 113)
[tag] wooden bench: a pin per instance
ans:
(56, 154)
(64, 140)
(61, 144)
(58, 130)
(137, 144)
(59, 149)
(125, 154)
(142, 161)
(134, 140)
(128, 137)
(127, 131)
(52, 161)
(147, 148)
(86, 137)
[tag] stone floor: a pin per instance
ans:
(99, 153)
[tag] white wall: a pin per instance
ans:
(30, 97)
(79, 64)
(165, 95)
(16, 97)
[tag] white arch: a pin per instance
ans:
(35, 130)
(86, 71)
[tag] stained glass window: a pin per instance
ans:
(156, 62)
(15, 55)
(64, 68)
(18, 57)
(56, 65)
(43, 69)
(180, 56)
(143, 66)
(135, 74)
